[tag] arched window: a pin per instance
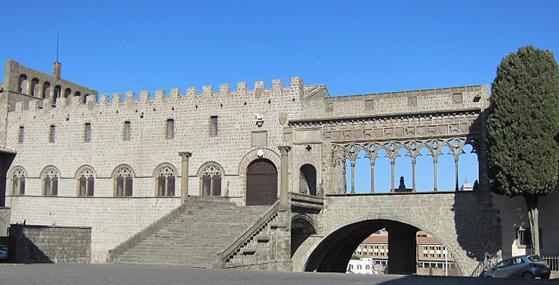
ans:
(123, 181)
(307, 179)
(67, 92)
(18, 181)
(22, 84)
(57, 91)
(50, 178)
(35, 87)
(210, 179)
(46, 90)
(86, 181)
(165, 181)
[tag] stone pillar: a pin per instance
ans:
(435, 160)
(392, 163)
(413, 160)
(372, 176)
(284, 178)
(402, 246)
(185, 155)
(352, 163)
(343, 179)
(456, 173)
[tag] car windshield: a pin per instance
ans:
(535, 258)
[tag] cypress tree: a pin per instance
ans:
(522, 130)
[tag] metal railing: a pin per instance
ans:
(552, 261)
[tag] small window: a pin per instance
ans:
(87, 132)
(126, 131)
(52, 133)
(20, 134)
(213, 126)
(170, 130)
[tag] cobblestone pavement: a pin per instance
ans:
(138, 275)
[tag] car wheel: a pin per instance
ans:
(528, 275)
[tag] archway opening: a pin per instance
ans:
(307, 178)
(301, 228)
(261, 183)
(397, 246)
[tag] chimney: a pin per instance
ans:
(56, 69)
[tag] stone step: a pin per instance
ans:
(194, 236)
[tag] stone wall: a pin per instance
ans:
(50, 244)
(514, 214)
(5, 217)
(112, 220)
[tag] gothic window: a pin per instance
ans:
(165, 181)
(18, 181)
(86, 182)
(67, 92)
(20, 134)
(87, 132)
(213, 126)
(123, 181)
(210, 178)
(50, 181)
(126, 131)
(170, 129)
(22, 84)
(77, 94)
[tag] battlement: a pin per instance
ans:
(224, 93)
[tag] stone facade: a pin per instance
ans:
(118, 164)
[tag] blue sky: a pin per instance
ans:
(352, 46)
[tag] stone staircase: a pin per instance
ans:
(194, 234)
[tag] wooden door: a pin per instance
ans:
(261, 183)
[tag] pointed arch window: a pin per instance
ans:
(50, 181)
(123, 181)
(165, 181)
(86, 182)
(210, 180)
(18, 181)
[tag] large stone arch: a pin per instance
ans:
(458, 220)
(359, 229)
(251, 156)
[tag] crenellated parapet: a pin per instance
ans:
(207, 94)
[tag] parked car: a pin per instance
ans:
(525, 266)
(3, 252)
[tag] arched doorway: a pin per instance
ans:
(307, 178)
(261, 183)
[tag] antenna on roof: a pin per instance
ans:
(56, 69)
(56, 46)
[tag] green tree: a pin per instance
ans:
(522, 128)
